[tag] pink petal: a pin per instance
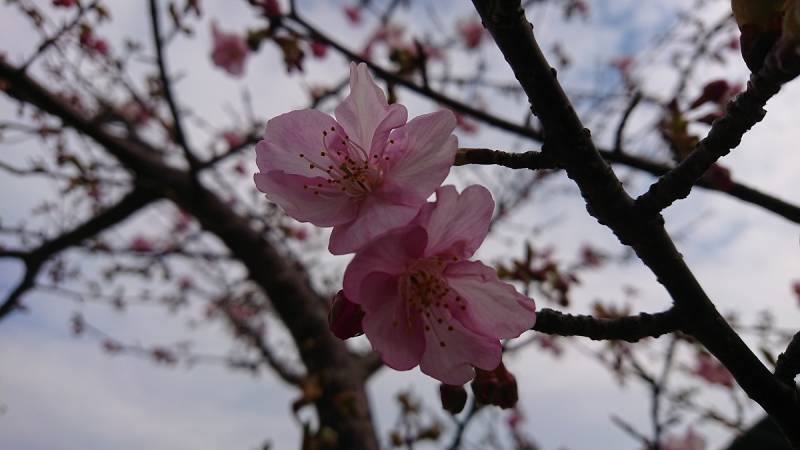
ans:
(453, 363)
(494, 308)
(376, 216)
(365, 114)
(397, 339)
(457, 224)
(428, 149)
(390, 254)
(329, 208)
(288, 136)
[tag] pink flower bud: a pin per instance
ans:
(64, 3)
(496, 387)
(453, 397)
(271, 8)
(471, 32)
(140, 244)
(319, 49)
(344, 318)
(353, 14)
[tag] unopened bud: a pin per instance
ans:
(453, 397)
(344, 317)
(495, 387)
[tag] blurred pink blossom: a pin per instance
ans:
(141, 244)
(363, 174)
(471, 32)
(711, 370)
(233, 138)
(229, 51)
(319, 49)
(353, 14)
(690, 441)
(425, 303)
(64, 3)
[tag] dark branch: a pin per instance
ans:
(571, 144)
(739, 191)
(788, 364)
(741, 115)
(484, 156)
(630, 329)
(166, 85)
(535, 160)
(35, 259)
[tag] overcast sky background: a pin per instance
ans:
(58, 392)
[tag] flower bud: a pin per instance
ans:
(344, 317)
(453, 397)
(496, 387)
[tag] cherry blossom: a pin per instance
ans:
(229, 51)
(425, 303)
(365, 173)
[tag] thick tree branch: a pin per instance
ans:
(788, 364)
(342, 406)
(35, 259)
(741, 114)
(630, 329)
(571, 144)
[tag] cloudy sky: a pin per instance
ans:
(60, 392)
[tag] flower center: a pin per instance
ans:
(429, 298)
(345, 165)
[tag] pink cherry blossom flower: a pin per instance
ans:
(425, 303)
(712, 370)
(365, 173)
(229, 51)
(471, 32)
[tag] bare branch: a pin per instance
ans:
(630, 329)
(571, 144)
(166, 85)
(741, 114)
(35, 259)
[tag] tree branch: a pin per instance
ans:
(788, 365)
(35, 259)
(742, 192)
(484, 156)
(286, 283)
(166, 85)
(741, 115)
(629, 329)
(571, 144)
